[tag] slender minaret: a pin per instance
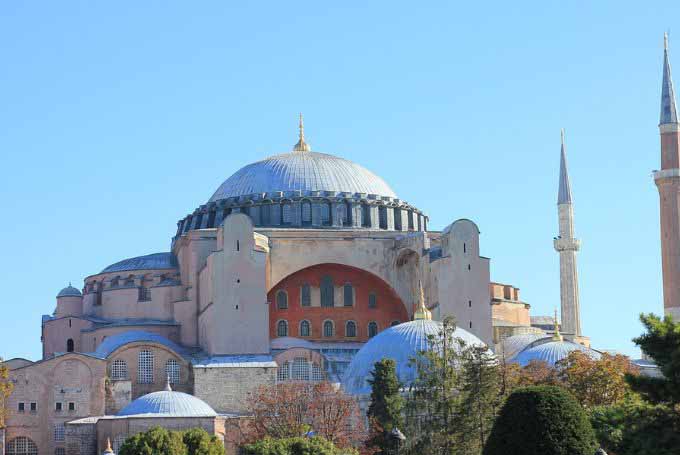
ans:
(668, 181)
(567, 246)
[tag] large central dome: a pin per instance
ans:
(303, 171)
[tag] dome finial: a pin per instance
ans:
(557, 336)
(108, 449)
(421, 312)
(301, 145)
(168, 388)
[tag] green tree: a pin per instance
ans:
(6, 387)
(156, 441)
(199, 442)
(295, 446)
(661, 343)
(541, 420)
(385, 410)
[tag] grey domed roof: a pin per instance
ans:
(400, 343)
(69, 291)
(168, 403)
(150, 261)
(304, 171)
(552, 352)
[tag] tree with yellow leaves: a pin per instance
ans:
(6, 387)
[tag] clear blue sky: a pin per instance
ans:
(119, 118)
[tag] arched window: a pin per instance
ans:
(372, 300)
(70, 345)
(21, 446)
(327, 291)
(382, 216)
(281, 300)
(305, 329)
(119, 370)
(326, 218)
(328, 328)
(351, 329)
(286, 213)
(410, 220)
(172, 371)
(283, 373)
(348, 214)
(282, 329)
(130, 281)
(397, 219)
(300, 369)
(305, 295)
(306, 212)
(265, 214)
(348, 295)
(115, 282)
(145, 367)
(372, 329)
(341, 213)
(365, 215)
(395, 323)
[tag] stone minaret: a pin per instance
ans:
(668, 181)
(567, 246)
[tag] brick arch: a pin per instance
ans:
(389, 306)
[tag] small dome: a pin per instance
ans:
(114, 342)
(168, 403)
(148, 262)
(400, 343)
(552, 352)
(517, 343)
(69, 291)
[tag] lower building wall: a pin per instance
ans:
(226, 389)
(2, 441)
(81, 439)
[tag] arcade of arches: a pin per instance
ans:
(333, 302)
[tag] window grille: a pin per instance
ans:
(21, 446)
(327, 291)
(306, 212)
(145, 367)
(144, 294)
(305, 329)
(372, 329)
(283, 373)
(351, 329)
(282, 329)
(59, 432)
(61, 451)
(300, 369)
(342, 214)
(172, 370)
(325, 213)
(317, 374)
(372, 300)
(286, 213)
(328, 329)
(348, 297)
(306, 295)
(73, 448)
(119, 370)
(281, 300)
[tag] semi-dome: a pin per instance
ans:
(302, 171)
(153, 261)
(69, 291)
(552, 352)
(168, 403)
(399, 343)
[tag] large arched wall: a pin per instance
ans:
(388, 309)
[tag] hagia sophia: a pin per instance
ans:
(303, 266)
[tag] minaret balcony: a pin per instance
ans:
(666, 174)
(566, 244)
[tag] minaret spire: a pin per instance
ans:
(421, 312)
(301, 145)
(564, 192)
(669, 112)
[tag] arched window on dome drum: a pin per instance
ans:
(328, 328)
(348, 295)
(410, 220)
(306, 295)
(397, 219)
(372, 329)
(265, 214)
(70, 345)
(306, 213)
(286, 213)
(327, 291)
(305, 329)
(365, 215)
(420, 226)
(21, 446)
(351, 329)
(348, 214)
(341, 213)
(281, 300)
(115, 282)
(145, 367)
(211, 218)
(382, 216)
(119, 370)
(326, 219)
(172, 371)
(282, 329)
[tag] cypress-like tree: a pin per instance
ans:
(385, 410)
(541, 420)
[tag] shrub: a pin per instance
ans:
(541, 420)
(294, 446)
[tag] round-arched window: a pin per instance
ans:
(145, 367)
(21, 446)
(119, 370)
(351, 329)
(281, 300)
(372, 329)
(305, 329)
(328, 328)
(172, 371)
(282, 329)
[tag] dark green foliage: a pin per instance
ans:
(294, 446)
(159, 441)
(661, 343)
(541, 420)
(637, 428)
(385, 410)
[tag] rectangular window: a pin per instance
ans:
(306, 295)
(372, 300)
(58, 406)
(71, 406)
(22, 407)
(34, 407)
(59, 432)
(61, 451)
(470, 303)
(348, 295)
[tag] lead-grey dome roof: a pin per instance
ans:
(167, 403)
(69, 291)
(150, 261)
(303, 171)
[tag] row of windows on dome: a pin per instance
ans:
(118, 370)
(327, 295)
(312, 213)
(305, 328)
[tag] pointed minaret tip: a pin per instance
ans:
(301, 145)
(421, 312)
(564, 189)
(669, 111)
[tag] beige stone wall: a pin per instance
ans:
(226, 389)
(91, 339)
(56, 332)
(514, 312)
